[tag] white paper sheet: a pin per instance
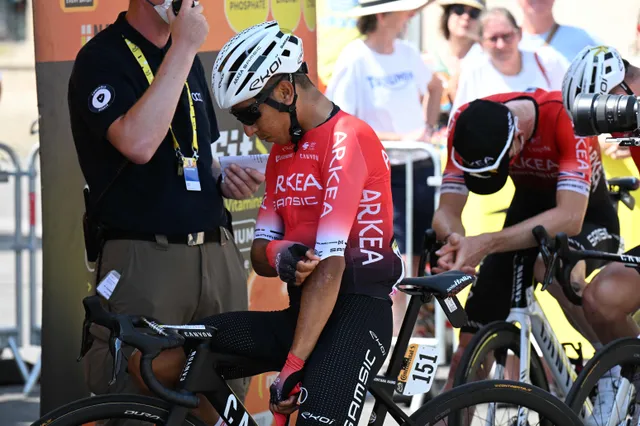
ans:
(256, 161)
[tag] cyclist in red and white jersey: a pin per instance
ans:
(614, 294)
(559, 184)
(325, 227)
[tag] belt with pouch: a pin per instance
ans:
(191, 239)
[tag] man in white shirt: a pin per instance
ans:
(539, 28)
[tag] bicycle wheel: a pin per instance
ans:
(495, 391)
(107, 407)
(623, 352)
(496, 339)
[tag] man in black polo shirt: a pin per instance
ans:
(143, 140)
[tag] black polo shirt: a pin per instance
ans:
(105, 83)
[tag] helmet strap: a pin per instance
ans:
(626, 88)
(295, 130)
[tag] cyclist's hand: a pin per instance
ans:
(306, 266)
(447, 253)
(285, 388)
(445, 263)
(471, 251)
(284, 256)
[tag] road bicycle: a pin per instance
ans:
(623, 353)
(407, 374)
(488, 350)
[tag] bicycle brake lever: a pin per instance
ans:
(548, 274)
(117, 360)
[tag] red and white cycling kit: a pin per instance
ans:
(552, 160)
(334, 194)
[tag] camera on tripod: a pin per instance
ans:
(594, 114)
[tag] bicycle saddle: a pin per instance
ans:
(627, 183)
(444, 285)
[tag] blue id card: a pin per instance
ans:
(191, 178)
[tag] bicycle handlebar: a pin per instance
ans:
(554, 250)
(123, 326)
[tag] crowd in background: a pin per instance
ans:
(408, 95)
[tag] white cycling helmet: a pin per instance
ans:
(247, 62)
(595, 70)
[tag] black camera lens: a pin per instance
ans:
(595, 114)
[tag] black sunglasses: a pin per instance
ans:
(461, 9)
(250, 114)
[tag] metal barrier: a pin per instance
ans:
(434, 152)
(12, 337)
(32, 245)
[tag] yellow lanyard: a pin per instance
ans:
(137, 53)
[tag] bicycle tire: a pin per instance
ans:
(498, 334)
(487, 391)
(118, 406)
(621, 351)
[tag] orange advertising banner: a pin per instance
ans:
(61, 28)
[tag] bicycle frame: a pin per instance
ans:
(382, 386)
(526, 311)
(198, 376)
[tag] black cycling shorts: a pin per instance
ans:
(490, 297)
(349, 353)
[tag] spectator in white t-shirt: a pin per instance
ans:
(539, 28)
(506, 67)
(383, 80)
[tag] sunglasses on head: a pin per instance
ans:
(461, 9)
(250, 114)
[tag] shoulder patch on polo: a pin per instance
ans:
(101, 98)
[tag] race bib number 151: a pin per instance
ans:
(418, 371)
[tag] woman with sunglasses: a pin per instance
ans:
(458, 27)
(505, 67)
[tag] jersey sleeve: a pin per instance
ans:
(452, 177)
(574, 168)
(99, 90)
(344, 174)
(269, 224)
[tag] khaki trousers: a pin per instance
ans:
(173, 283)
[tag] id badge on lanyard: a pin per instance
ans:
(190, 170)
